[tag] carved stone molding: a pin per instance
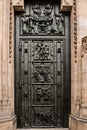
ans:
(10, 30)
(66, 5)
(84, 46)
(18, 5)
(74, 15)
(6, 97)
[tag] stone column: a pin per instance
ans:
(72, 5)
(83, 107)
(84, 79)
(7, 116)
(78, 117)
(7, 113)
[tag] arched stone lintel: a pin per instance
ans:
(18, 5)
(66, 5)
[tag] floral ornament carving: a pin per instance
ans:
(42, 51)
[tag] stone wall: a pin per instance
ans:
(7, 117)
(6, 69)
(78, 117)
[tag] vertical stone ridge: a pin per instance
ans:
(10, 31)
(5, 100)
(11, 59)
(75, 29)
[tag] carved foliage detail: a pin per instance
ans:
(42, 50)
(44, 21)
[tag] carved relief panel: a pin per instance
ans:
(42, 72)
(43, 116)
(43, 95)
(42, 20)
(41, 75)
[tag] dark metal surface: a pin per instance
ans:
(42, 89)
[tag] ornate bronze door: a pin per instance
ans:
(42, 77)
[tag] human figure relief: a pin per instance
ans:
(25, 24)
(59, 23)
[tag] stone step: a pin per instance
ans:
(45, 129)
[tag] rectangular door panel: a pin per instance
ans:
(41, 82)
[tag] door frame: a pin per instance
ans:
(19, 6)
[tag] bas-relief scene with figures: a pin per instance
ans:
(42, 20)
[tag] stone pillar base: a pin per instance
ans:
(76, 123)
(8, 123)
